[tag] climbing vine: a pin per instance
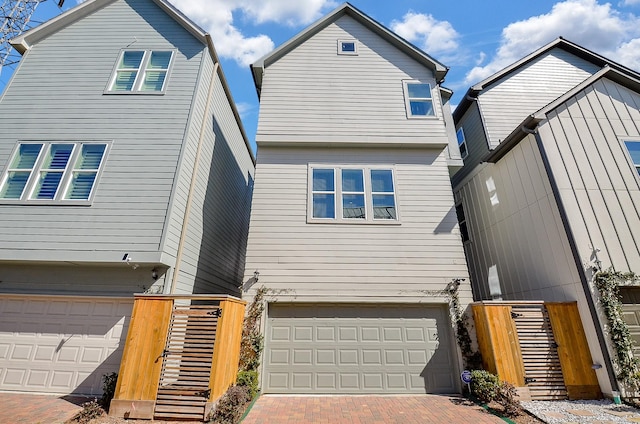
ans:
(252, 340)
(473, 359)
(608, 283)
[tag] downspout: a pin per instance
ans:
(576, 257)
(194, 177)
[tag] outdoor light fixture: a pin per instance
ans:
(154, 274)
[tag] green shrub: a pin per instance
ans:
(90, 411)
(249, 379)
(231, 406)
(484, 385)
(108, 389)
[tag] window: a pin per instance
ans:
(362, 194)
(634, 151)
(142, 71)
(348, 47)
(462, 143)
(462, 221)
(41, 172)
(419, 102)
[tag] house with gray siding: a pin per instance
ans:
(124, 169)
(550, 189)
(353, 230)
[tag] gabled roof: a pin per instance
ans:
(347, 9)
(627, 78)
(560, 43)
(27, 39)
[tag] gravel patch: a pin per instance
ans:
(582, 411)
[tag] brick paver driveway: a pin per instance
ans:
(23, 408)
(283, 409)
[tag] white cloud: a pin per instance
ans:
(245, 109)
(630, 2)
(433, 36)
(217, 17)
(595, 26)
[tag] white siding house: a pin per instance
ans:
(353, 229)
(550, 191)
(123, 169)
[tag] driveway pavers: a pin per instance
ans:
(374, 409)
(20, 408)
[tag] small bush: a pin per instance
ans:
(508, 399)
(484, 385)
(231, 406)
(108, 389)
(90, 411)
(249, 379)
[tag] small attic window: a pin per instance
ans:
(348, 47)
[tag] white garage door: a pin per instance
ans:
(358, 349)
(60, 345)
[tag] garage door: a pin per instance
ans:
(358, 349)
(60, 344)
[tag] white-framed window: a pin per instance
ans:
(462, 143)
(633, 147)
(352, 194)
(141, 71)
(348, 47)
(52, 172)
(418, 99)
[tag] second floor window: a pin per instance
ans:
(462, 143)
(418, 99)
(634, 151)
(351, 194)
(41, 172)
(142, 71)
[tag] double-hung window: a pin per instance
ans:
(52, 172)
(351, 194)
(462, 143)
(418, 99)
(633, 147)
(141, 71)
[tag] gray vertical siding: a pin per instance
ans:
(520, 232)
(506, 103)
(57, 94)
(599, 188)
(348, 261)
(314, 94)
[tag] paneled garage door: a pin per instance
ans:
(60, 345)
(312, 348)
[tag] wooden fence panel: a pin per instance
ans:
(226, 350)
(573, 350)
(141, 360)
(498, 340)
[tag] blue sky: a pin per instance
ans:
(474, 38)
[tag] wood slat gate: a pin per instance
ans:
(543, 372)
(183, 390)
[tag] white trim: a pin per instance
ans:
(463, 143)
(343, 41)
(338, 193)
(407, 99)
(634, 166)
(65, 180)
(141, 71)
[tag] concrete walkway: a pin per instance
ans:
(20, 408)
(366, 409)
